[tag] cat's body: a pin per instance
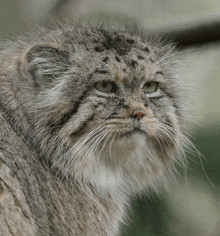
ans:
(87, 118)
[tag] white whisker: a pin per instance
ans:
(112, 141)
(77, 148)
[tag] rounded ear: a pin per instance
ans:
(45, 62)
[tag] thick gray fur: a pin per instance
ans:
(71, 155)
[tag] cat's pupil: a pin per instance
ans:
(104, 84)
(148, 84)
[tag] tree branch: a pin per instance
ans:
(192, 32)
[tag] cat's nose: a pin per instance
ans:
(138, 114)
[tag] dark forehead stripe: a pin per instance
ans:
(99, 49)
(117, 42)
(130, 41)
(117, 59)
(159, 72)
(101, 71)
(140, 57)
(133, 63)
(172, 131)
(146, 49)
(106, 59)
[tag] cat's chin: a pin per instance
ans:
(132, 133)
(129, 161)
(125, 145)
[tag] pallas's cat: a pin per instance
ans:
(88, 117)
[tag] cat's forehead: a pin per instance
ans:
(124, 56)
(124, 68)
(117, 56)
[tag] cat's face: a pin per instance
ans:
(111, 114)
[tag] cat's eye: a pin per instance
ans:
(150, 87)
(106, 87)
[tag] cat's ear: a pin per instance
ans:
(46, 62)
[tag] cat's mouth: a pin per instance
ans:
(132, 132)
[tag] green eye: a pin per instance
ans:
(150, 87)
(106, 87)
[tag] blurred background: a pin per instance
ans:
(192, 204)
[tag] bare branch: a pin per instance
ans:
(192, 32)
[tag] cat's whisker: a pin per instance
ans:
(81, 146)
(65, 156)
(183, 145)
(165, 136)
(167, 130)
(170, 134)
(78, 147)
(159, 142)
(190, 147)
(88, 147)
(112, 141)
(107, 137)
(98, 141)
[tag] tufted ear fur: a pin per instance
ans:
(46, 62)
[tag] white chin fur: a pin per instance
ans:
(127, 147)
(129, 163)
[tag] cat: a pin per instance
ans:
(88, 117)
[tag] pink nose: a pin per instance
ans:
(138, 114)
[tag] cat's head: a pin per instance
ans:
(108, 107)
